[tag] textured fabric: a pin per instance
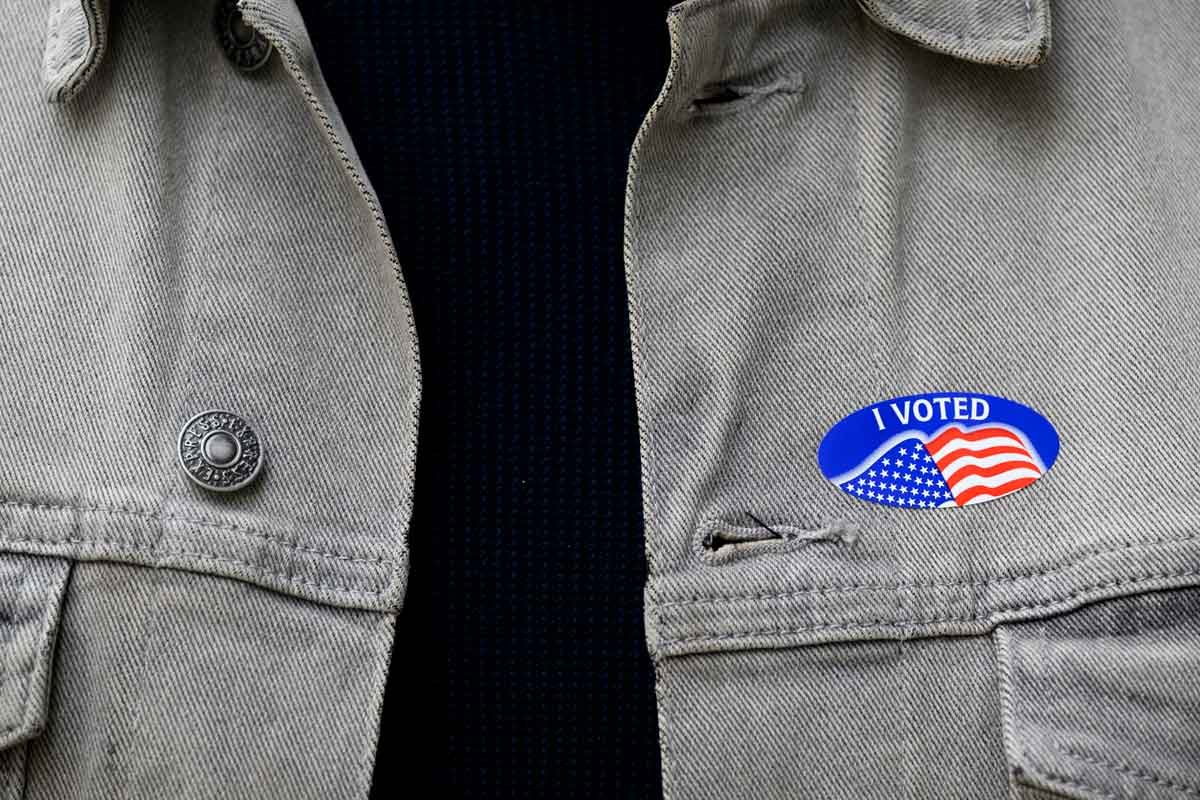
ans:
(76, 35)
(822, 214)
(171, 684)
(163, 255)
(12, 773)
(1010, 33)
(1105, 701)
(873, 720)
(31, 596)
(978, 243)
(497, 135)
(1098, 703)
(180, 236)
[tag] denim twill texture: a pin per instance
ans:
(172, 684)
(829, 206)
(165, 255)
(180, 236)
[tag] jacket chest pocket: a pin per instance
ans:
(1105, 701)
(32, 591)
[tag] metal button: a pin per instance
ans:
(246, 47)
(220, 451)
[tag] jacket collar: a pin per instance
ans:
(76, 37)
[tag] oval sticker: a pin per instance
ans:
(938, 450)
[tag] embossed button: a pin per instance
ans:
(246, 47)
(220, 451)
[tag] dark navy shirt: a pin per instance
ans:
(497, 136)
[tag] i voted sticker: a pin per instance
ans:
(938, 450)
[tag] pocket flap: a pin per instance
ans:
(1007, 33)
(1105, 701)
(31, 594)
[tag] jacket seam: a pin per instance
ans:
(256, 569)
(201, 522)
(97, 41)
(893, 623)
(24, 673)
(988, 580)
(37, 652)
(1139, 774)
(293, 66)
(909, 25)
(1074, 783)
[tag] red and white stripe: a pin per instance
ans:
(982, 464)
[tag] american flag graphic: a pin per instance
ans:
(955, 468)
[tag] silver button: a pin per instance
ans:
(246, 47)
(220, 451)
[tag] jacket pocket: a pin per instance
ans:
(1105, 702)
(32, 589)
(1013, 33)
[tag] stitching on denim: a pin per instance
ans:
(1142, 775)
(692, 6)
(363, 189)
(298, 74)
(872, 6)
(202, 522)
(892, 623)
(928, 34)
(35, 652)
(649, 465)
(1075, 784)
(662, 687)
(1003, 670)
(24, 670)
(670, 768)
(80, 75)
(989, 580)
(1016, 52)
(256, 569)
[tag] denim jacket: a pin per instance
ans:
(210, 389)
(180, 237)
